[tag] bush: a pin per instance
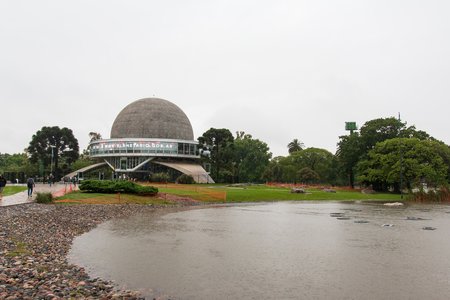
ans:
(112, 187)
(159, 177)
(44, 198)
(185, 179)
(441, 194)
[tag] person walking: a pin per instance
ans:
(2, 185)
(30, 185)
(50, 179)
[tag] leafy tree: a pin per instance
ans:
(348, 152)
(251, 157)
(82, 162)
(94, 136)
(353, 148)
(220, 143)
(12, 163)
(444, 151)
(336, 175)
(295, 145)
(290, 172)
(16, 166)
(274, 171)
(379, 130)
(53, 141)
(418, 161)
(411, 132)
(84, 158)
(316, 159)
(307, 175)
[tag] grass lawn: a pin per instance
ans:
(256, 193)
(12, 189)
(224, 194)
(95, 198)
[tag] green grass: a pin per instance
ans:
(216, 193)
(12, 189)
(79, 197)
(267, 193)
(20, 250)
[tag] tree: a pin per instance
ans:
(379, 130)
(82, 162)
(306, 175)
(12, 162)
(16, 166)
(220, 143)
(416, 161)
(295, 145)
(251, 157)
(348, 152)
(94, 136)
(444, 151)
(315, 159)
(274, 171)
(53, 144)
(354, 148)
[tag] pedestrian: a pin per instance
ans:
(50, 179)
(2, 185)
(30, 185)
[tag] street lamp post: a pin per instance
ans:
(401, 165)
(51, 163)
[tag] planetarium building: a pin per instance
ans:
(148, 136)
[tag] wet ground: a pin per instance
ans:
(288, 250)
(56, 189)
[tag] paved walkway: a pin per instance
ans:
(20, 198)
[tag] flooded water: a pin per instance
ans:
(286, 250)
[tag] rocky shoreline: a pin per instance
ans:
(35, 240)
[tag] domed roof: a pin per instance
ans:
(152, 118)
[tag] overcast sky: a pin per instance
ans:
(278, 70)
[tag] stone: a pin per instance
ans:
(429, 228)
(27, 286)
(393, 204)
(47, 232)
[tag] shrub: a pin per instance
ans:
(185, 179)
(111, 187)
(441, 194)
(159, 177)
(44, 198)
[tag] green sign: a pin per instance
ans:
(350, 126)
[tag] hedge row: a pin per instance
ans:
(185, 179)
(111, 187)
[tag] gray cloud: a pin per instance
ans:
(276, 69)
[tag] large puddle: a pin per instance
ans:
(284, 250)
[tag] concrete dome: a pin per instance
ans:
(152, 118)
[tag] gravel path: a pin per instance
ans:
(34, 242)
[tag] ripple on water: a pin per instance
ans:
(277, 250)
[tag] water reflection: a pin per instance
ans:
(276, 251)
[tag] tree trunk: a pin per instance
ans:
(351, 179)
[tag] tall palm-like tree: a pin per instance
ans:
(95, 136)
(295, 145)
